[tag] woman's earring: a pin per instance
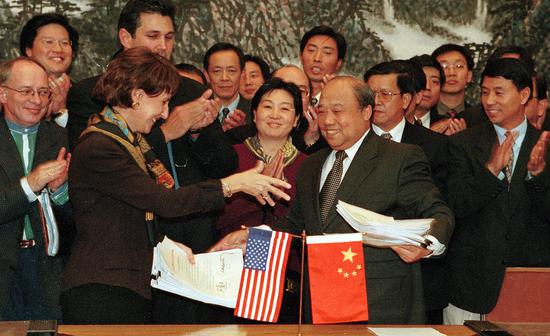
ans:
(135, 105)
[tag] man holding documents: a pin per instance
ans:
(498, 187)
(390, 178)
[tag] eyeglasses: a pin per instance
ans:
(456, 66)
(43, 93)
(49, 42)
(385, 96)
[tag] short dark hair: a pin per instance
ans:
(223, 46)
(542, 87)
(190, 68)
(524, 55)
(405, 80)
(511, 69)
(264, 67)
(278, 84)
(340, 40)
(458, 48)
(136, 68)
(130, 15)
(30, 30)
(416, 72)
(426, 60)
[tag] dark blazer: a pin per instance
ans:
(82, 105)
(473, 115)
(392, 179)
(496, 226)
(210, 156)
(245, 106)
(14, 206)
(434, 146)
(110, 194)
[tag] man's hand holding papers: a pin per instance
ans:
(409, 238)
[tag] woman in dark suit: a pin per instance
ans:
(117, 186)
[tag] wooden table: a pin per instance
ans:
(238, 330)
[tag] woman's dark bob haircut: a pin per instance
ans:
(275, 83)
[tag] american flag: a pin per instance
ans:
(262, 282)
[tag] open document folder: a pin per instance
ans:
(383, 231)
(214, 278)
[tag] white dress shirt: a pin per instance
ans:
(396, 132)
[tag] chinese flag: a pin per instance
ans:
(337, 278)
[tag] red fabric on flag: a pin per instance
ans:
(261, 291)
(337, 278)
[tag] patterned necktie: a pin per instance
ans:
(328, 192)
(225, 112)
(451, 113)
(510, 165)
(386, 136)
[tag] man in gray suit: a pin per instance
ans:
(32, 159)
(376, 174)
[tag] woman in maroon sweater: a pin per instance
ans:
(277, 106)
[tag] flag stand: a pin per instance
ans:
(301, 283)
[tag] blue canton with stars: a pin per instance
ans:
(257, 249)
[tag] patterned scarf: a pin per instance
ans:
(273, 164)
(143, 155)
(109, 123)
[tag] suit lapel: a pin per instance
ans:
(360, 168)
(517, 188)
(485, 142)
(44, 147)
(407, 133)
(10, 160)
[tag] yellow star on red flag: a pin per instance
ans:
(348, 255)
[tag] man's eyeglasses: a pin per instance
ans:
(456, 66)
(43, 93)
(385, 96)
(49, 42)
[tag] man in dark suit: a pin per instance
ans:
(32, 161)
(147, 23)
(379, 175)
(394, 90)
(499, 190)
(224, 66)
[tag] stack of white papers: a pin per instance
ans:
(214, 278)
(384, 231)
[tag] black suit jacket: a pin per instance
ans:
(473, 115)
(497, 225)
(392, 179)
(434, 146)
(14, 206)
